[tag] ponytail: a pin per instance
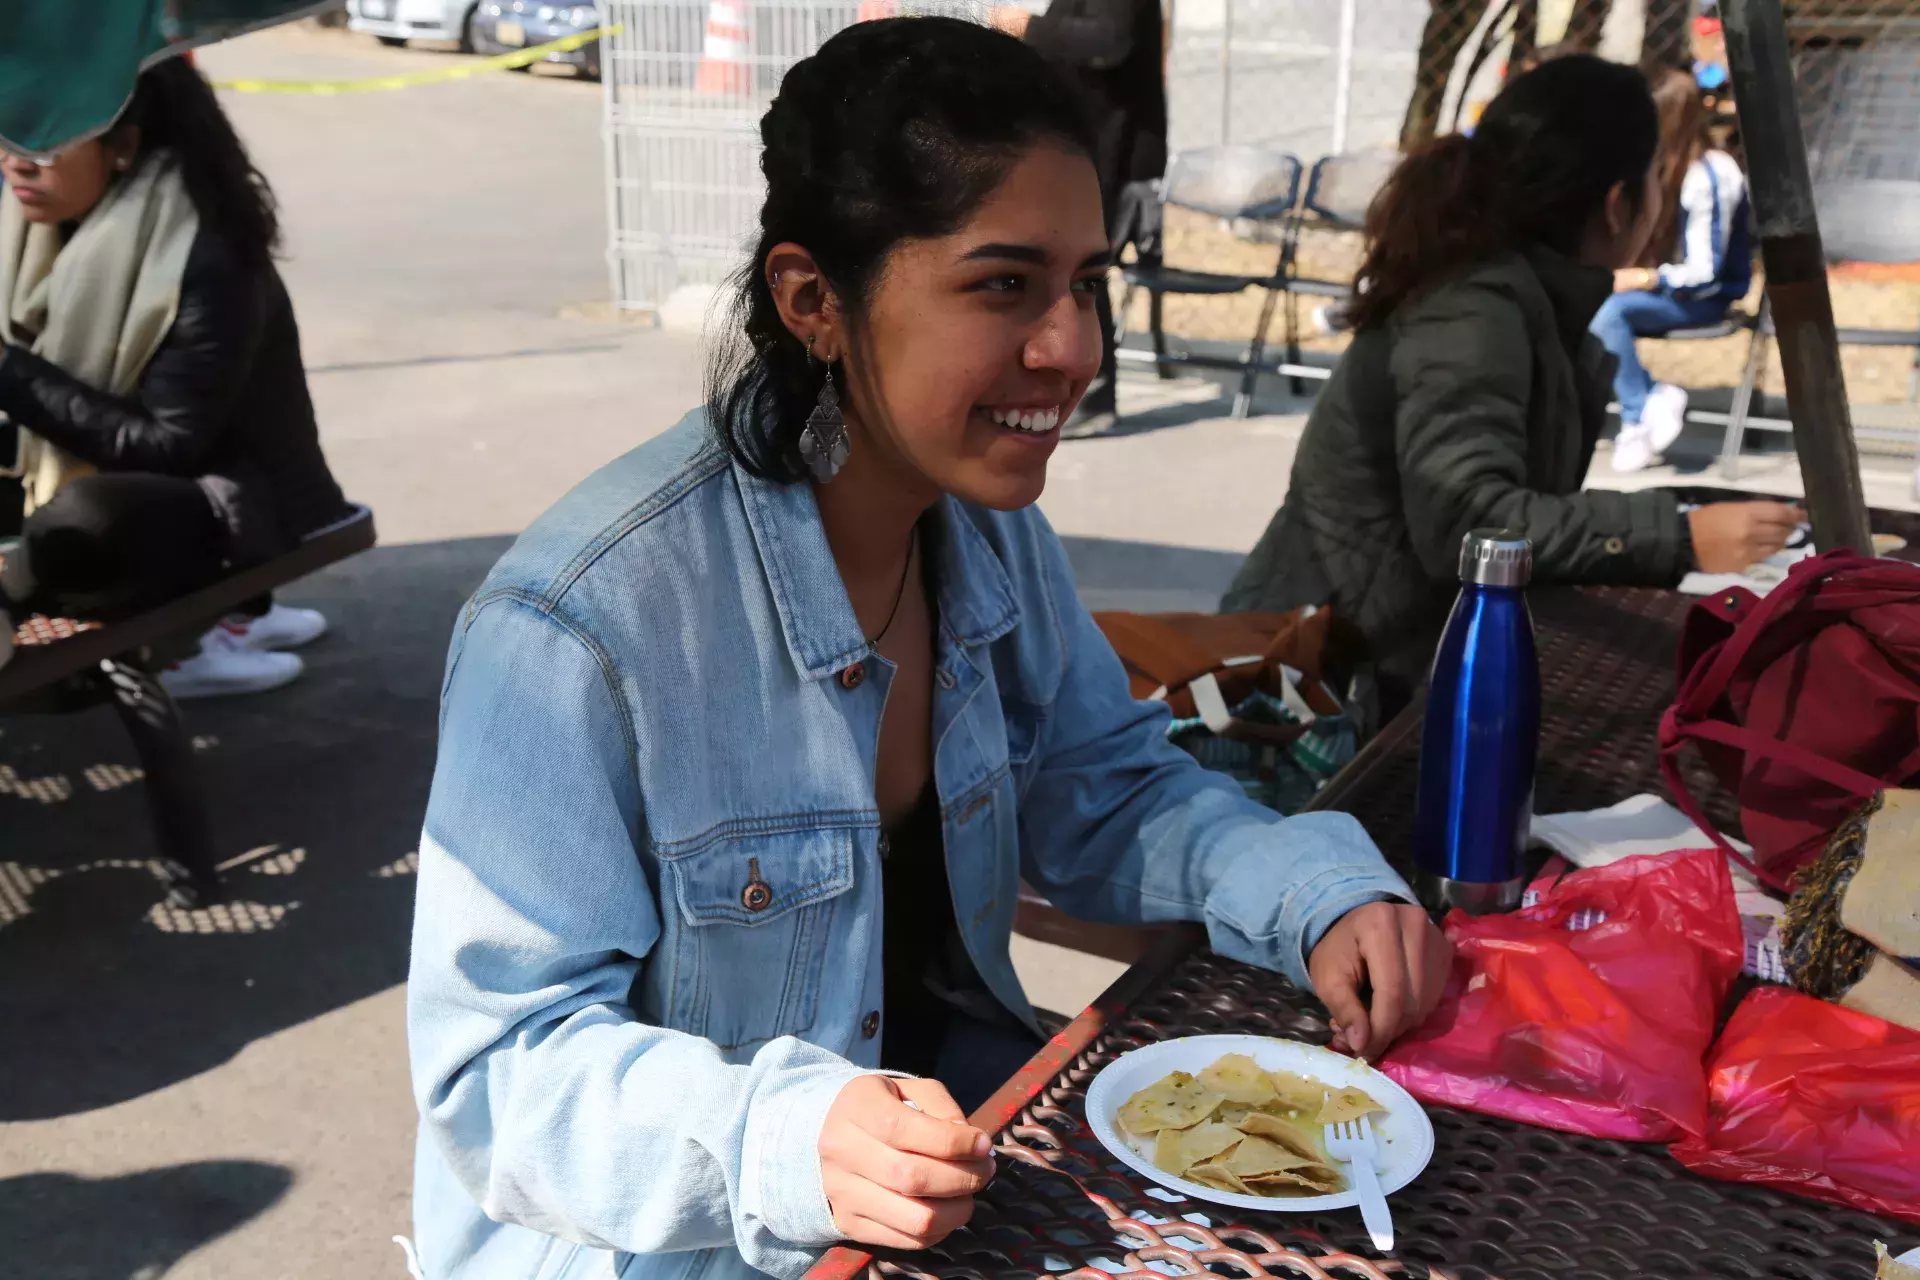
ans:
(1537, 170)
(1442, 211)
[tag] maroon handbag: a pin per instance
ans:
(1802, 703)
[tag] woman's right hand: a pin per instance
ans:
(1729, 537)
(897, 1176)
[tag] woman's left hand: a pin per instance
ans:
(1391, 950)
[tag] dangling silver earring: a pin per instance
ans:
(824, 445)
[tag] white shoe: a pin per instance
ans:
(224, 666)
(1664, 415)
(281, 627)
(1633, 448)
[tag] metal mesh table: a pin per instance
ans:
(1500, 1200)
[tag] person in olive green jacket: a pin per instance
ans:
(1472, 394)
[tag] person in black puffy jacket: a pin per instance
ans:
(152, 383)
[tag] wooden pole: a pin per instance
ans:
(1796, 267)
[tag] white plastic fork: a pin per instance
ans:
(1352, 1142)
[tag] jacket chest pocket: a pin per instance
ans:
(756, 913)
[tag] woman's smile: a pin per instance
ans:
(1029, 420)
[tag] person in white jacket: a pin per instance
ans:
(1712, 272)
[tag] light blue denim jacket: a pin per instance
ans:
(621, 1066)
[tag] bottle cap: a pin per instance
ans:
(1496, 558)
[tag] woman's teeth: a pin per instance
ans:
(1033, 420)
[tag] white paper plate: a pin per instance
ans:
(1911, 1258)
(1405, 1133)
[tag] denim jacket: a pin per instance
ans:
(646, 943)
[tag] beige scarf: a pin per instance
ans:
(99, 305)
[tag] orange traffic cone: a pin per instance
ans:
(723, 57)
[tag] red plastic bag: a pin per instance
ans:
(1590, 1011)
(1815, 1099)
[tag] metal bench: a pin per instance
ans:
(62, 664)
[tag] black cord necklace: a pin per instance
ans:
(913, 544)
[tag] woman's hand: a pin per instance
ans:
(1394, 951)
(895, 1176)
(1635, 279)
(1011, 19)
(1728, 537)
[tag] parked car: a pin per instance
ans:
(398, 21)
(501, 26)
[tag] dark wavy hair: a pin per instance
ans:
(896, 129)
(175, 109)
(1537, 169)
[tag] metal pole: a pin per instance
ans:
(1782, 193)
(1343, 76)
(1226, 72)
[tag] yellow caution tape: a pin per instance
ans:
(499, 62)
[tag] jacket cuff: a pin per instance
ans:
(780, 1166)
(1352, 874)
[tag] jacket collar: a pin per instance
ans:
(1574, 290)
(816, 617)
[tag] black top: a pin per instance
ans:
(919, 933)
(223, 401)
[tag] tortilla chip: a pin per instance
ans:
(1217, 1175)
(1891, 1269)
(1178, 1150)
(1238, 1078)
(1295, 1137)
(1347, 1104)
(1314, 1180)
(1256, 1156)
(1297, 1092)
(1177, 1102)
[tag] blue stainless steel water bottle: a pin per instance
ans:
(1481, 735)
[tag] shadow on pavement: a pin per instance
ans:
(57, 1226)
(107, 995)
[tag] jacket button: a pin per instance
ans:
(854, 676)
(1614, 546)
(758, 895)
(870, 1025)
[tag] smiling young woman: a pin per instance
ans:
(748, 743)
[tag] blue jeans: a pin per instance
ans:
(1641, 314)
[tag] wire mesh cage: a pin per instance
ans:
(685, 84)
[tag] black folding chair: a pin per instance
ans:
(1339, 190)
(1255, 189)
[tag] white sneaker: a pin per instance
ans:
(1664, 415)
(1633, 447)
(281, 627)
(224, 666)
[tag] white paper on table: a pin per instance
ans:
(1646, 824)
(1759, 579)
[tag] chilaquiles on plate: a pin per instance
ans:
(1235, 1127)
